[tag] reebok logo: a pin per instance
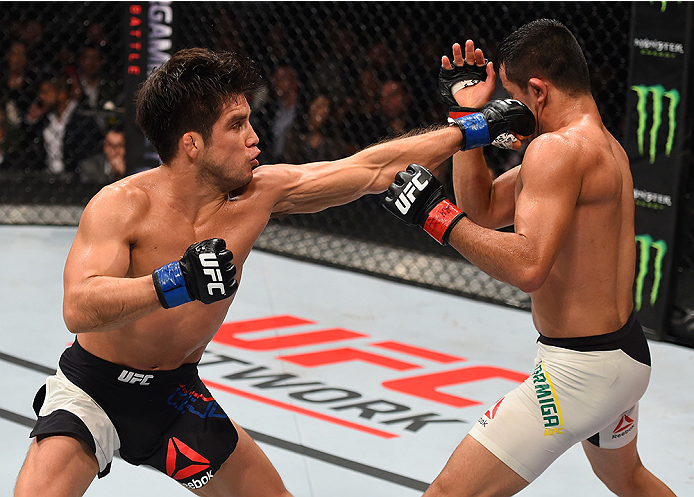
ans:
(182, 462)
(132, 378)
(489, 415)
(211, 264)
(408, 196)
(492, 412)
(625, 425)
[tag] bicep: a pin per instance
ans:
(316, 186)
(101, 246)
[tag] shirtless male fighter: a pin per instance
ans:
(573, 249)
(130, 382)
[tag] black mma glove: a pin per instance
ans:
(452, 80)
(494, 122)
(416, 197)
(204, 273)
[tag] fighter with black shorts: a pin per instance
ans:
(165, 419)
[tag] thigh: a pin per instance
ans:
(246, 473)
(474, 470)
(57, 466)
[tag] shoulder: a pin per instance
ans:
(118, 205)
(564, 151)
(554, 165)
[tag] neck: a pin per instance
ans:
(561, 110)
(190, 195)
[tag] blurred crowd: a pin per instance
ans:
(61, 107)
(60, 111)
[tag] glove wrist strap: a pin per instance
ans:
(170, 285)
(441, 220)
(475, 130)
(455, 112)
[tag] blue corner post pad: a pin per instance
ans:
(172, 284)
(476, 130)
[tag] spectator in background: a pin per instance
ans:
(334, 68)
(318, 141)
(379, 57)
(16, 84)
(356, 114)
(4, 160)
(394, 102)
(108, 165)
(285, 109)
(98, 94)
(66, 135)
(18, 91)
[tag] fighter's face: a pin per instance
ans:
(231, 152)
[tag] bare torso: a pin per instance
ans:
(144, 221)
(588, 290)
(167, 338)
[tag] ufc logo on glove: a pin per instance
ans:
(407, 197)
(422, 203)
(209, 261)
(183, 281)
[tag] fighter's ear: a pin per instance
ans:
(538, 89)
(191, 143)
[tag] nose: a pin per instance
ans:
(252, 139)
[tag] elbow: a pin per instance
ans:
(72, 322)
(75, 320)
(531, 279)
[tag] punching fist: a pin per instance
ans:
(458, 77)
(416, 197)
(204, 273)
(494, 123)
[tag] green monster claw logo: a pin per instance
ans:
(663, 5)
(658, 93)
(646, 243)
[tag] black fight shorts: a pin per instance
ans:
(165, 419)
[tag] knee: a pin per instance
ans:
(623, 483)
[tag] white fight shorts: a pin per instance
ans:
(584, 388)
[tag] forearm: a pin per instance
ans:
(488, 202)
(504, 256)
(102, 303)
(428, 149)
(472, 184)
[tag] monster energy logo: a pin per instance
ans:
(663, 5)
(645, 243)
(658, 93)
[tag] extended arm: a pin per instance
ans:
(316, 186)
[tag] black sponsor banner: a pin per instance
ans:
(149, 41)
(656, 127)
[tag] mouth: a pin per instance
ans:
(254, 160)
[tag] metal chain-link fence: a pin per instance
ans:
(338, 77)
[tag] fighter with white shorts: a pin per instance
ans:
(584, 388)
